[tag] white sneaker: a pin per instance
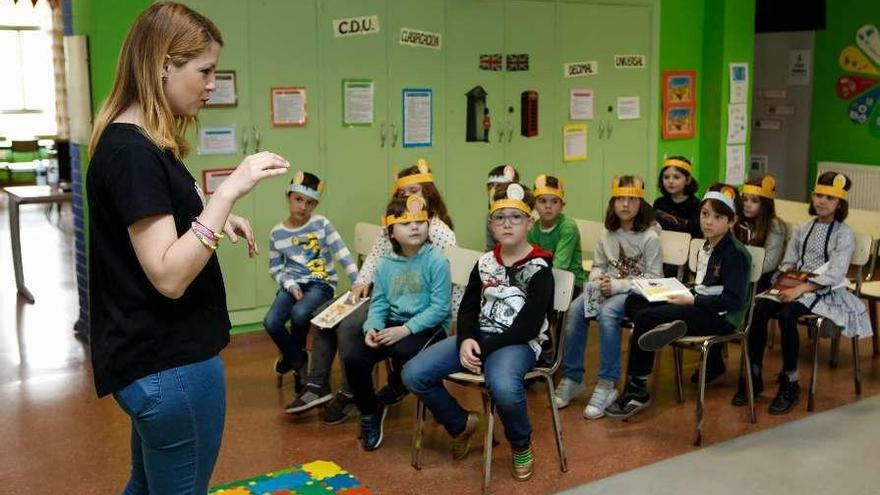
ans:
(603, 396)
(567, 390)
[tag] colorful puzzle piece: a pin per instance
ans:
(861, 107)
(853, 60)
(313, 478)
(869, 41)
(852, 86)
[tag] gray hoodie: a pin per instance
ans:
(625, 255)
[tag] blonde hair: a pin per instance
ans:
(166, 31)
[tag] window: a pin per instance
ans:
(27, 88)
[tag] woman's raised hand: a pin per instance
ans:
(252, 170)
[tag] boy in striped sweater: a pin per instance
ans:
(301, 253)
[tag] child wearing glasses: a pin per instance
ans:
(502, 322)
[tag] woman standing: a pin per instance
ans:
(157, 300)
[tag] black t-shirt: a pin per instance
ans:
(135, 330)
(679, 217)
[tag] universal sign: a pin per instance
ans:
(581, 69)
(629, 62)
(355, 26)
(421, 39)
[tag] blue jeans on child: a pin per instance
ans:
(504, 370)
(611, 312)
(177, 420)
(286, 307)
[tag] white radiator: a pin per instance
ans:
(866, 183)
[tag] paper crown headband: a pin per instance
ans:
(725, 195)
(515, 195)
(297, 186)
(542, 188)
(424, 175)
(836, 189)
(416, 211)
(767, 188)
(507, 175)
(636, 190)
(677, 162)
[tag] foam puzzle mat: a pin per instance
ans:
(313, 478)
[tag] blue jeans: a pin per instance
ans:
(611, 312)
(504, 370)
(177, 420)
(292, 344)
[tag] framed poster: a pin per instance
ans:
(357, 102)
(212, 178)
(417, 113)
(224, 94)
(679, 87)
(289, 107)
(678, 122)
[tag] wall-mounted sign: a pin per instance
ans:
(580, 104)
(574, 142)
(212, 178)
(799, 67)
(773, 93)
(779, 109)
(289, 107)
(417, 111)
(355, 26)
(217, 140)
(629, 62)
(581, 69)
(357, 102)
(420, 39)
(768, 124)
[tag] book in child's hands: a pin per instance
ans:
(336, 312)
(787, 280)
(659, 289)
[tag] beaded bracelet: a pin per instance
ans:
(208, 232)
(207, 240)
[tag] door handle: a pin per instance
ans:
(245, 137)
(601, 129)
(256, 140)
(509, 130)
(393, 135)
(382, 135)
(609, 130)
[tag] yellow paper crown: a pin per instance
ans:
(541, 187)
(726, 195)
(416, 211)
(767, 188)
(676, 162)
(296, 185)
(424, 175)
(636, 190)
(836, 189)
(515, 195)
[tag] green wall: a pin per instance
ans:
(833, 136)
(706, 36)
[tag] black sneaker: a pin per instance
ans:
(338, 410)
(786, 396)
(372, 426)
(662, 335)
(632, 401)
(741, 397)
(313, 395)
(390, 395)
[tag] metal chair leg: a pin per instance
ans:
(704, 360)
(745, 361)
(487, 446)
(417, 434)
(872, 313)
(677, 354)
(857, 365)
(811, 397)
(835, 352)
(557, 426)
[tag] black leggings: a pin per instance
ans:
(788, 314)
(360, 360)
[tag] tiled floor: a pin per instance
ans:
(57, 437)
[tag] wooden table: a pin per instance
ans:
(27, 195)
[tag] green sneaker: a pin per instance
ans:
(523, 466)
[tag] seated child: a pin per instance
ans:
(759, 225)
(410, 308)
(629, 248)
(502, 323)
(677, 207)
(555, 232)
(717, 306)
(824, 247)
(301, 253)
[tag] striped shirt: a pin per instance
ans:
(305, 254)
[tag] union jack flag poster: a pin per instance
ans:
(517, 62)
(491, 61)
